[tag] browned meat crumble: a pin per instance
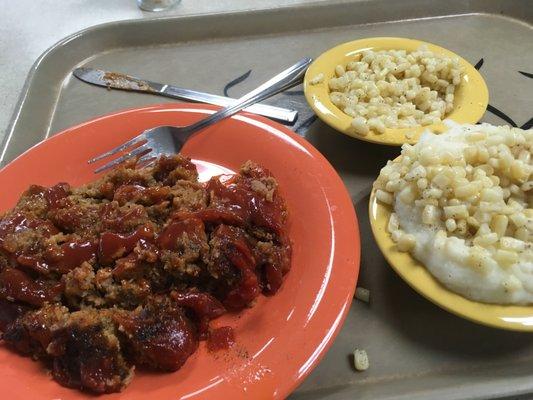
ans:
(129, 270)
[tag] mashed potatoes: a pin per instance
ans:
(462, 205)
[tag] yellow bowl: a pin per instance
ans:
(471, 97)
(516, 318)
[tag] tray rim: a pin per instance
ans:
(11, 129)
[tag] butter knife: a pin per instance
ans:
(114, 80)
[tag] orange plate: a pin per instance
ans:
(283, 337)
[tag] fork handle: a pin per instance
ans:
(286, 79)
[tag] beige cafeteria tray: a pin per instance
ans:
(416, 350)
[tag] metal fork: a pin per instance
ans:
(170, 139)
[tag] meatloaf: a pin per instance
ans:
(129, 270)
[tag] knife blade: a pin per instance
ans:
(115, 80)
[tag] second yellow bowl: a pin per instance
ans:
(509, 317)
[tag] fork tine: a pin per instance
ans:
(129, 143)
(145, 161)
(138, 151)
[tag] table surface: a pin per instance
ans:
(29, 27)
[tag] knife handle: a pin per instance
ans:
(277, 113)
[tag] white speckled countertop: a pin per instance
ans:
(29, 27)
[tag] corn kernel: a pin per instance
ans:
(505, 258)
(456, 212)
(499, 224)
(406, 242)
(451, 225)
(384, 197)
